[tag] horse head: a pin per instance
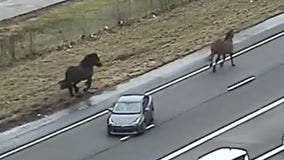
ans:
(230, 35)
(91, 60)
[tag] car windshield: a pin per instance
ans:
(127, 107)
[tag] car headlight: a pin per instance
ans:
(137, 121)
(110, 121)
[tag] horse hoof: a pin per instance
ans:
(233, 65)
(91, 92)
(79, 96)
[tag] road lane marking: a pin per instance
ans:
(270, 153)
(222, 130)
(177, 80)
(124, 138)
(152, 91)
(206, 67)
(147, 128)
(53, 134)
(150, 126)
(240, 83)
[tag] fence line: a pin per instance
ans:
(32, 42)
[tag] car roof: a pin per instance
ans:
(224, 153)
(131, 98)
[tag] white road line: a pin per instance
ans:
(29, 144)
(223, 129)
(124, 138)
(270, 153)
(204, 68)
(46, 137)
(150, 126)
(168, 84)
(245, 81)
(147, 128)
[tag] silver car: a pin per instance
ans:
(226, 153)
(131, 114)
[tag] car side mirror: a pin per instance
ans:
(147, 109)
(110, 109)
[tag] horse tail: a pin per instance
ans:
(66, 82)
(63, 84)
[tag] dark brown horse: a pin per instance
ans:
(82, 72)
(221, 48)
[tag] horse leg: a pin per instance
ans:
(211, 59)
(222, 63)
(232, 62)
(69, 86)
(88, 83)
(76, 88)
(214, 66)
(70, 90)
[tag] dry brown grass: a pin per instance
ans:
(32, 87)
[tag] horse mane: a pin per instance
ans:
(229, 35)
(87, 61)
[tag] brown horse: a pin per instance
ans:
(82, 72)
(221, 48)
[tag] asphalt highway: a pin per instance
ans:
(257, 136)
(184, 112)
(12, 8)
(279, 156)
(200, 121)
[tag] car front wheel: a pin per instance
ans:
(109, 133)
(152, 119)
(142, 128)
